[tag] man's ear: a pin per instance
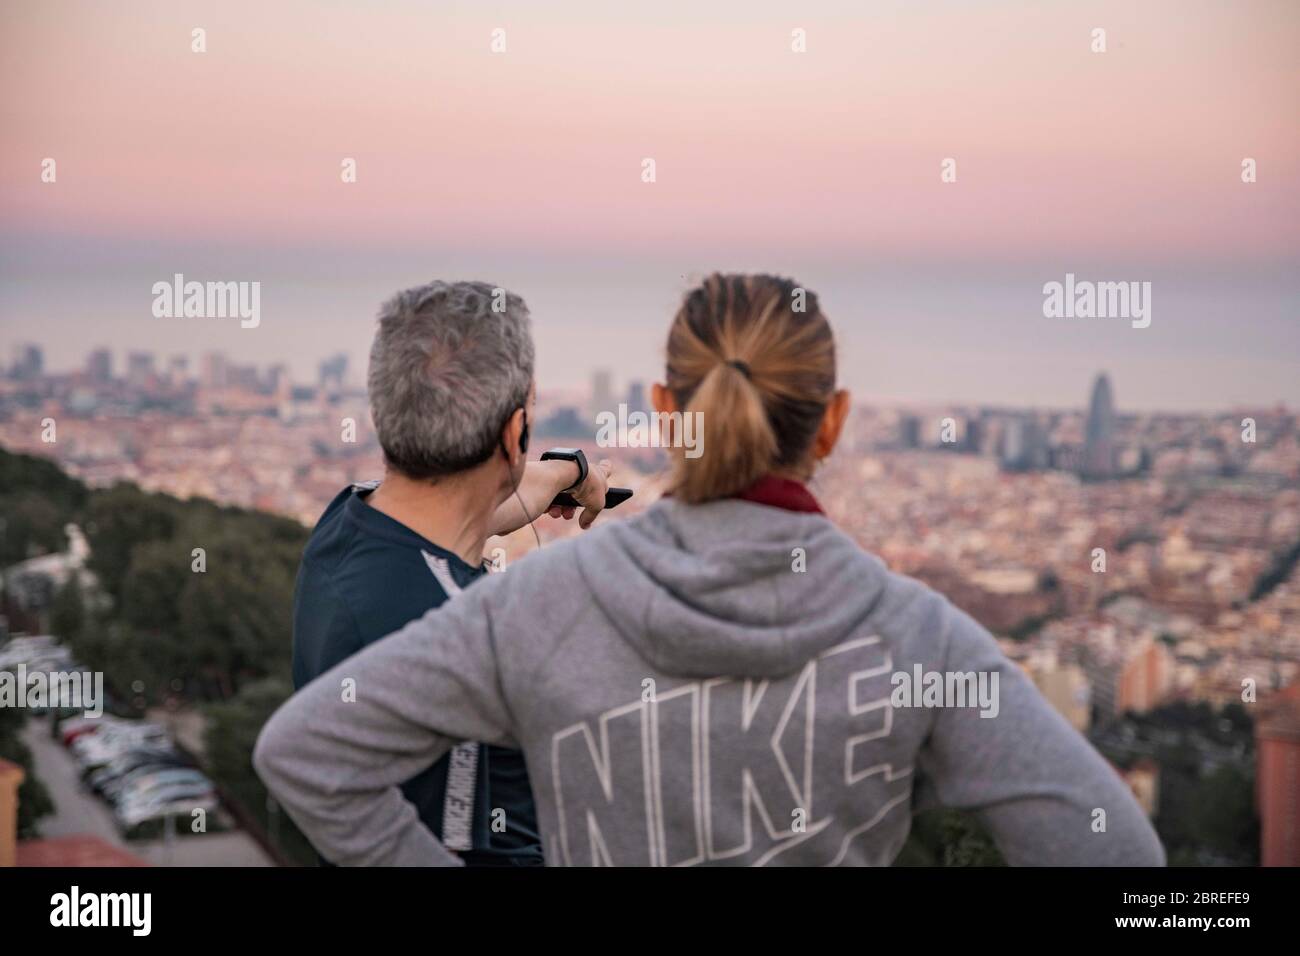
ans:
(833, 419)
(510, 432)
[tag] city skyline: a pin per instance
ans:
(826, 165)
(351, 374)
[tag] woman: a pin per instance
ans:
(726, 678)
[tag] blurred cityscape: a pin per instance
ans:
(1129, 562)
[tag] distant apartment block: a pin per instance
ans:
(1277, 738)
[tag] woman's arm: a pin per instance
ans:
(1046, 796)
(335, 753)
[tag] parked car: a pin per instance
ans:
(113, 740)
(184, 798)
(109, 779)
(74, 727)
(145, 783)
(146, 821)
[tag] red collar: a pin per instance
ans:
(781, 493)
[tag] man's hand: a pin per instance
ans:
(590, 494)
(542, 481)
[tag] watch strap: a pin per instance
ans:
(574, 455)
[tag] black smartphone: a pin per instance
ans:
(613, 498)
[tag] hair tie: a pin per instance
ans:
(741, 367)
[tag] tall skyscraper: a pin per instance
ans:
(1024, 444)
(139, 368)
(909, 431)
(99, 366)
(28, 362)
(602, 393)
(636, 400)
(1099, 440)
(974, 439)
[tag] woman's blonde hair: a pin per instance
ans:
(754, 355)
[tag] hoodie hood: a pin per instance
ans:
(730, 587)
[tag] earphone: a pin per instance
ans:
(523, 450)
(523, 438)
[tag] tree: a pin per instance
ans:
(68, 612)
(948, 837)
(231, 734)
(119, 519)
(39, 499)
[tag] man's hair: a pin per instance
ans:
(450, 362)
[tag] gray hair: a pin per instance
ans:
(450, 362)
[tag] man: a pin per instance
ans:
(451, 386)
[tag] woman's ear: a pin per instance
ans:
(664, 406)
(833, 419)
(662, 399)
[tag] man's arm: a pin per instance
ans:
(542, 481)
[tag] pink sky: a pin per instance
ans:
(836, 149)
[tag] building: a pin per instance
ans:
(139, 369)
(1066, 689)
(213, 373)
(1024, 444)
(564, 422)
(332, 373)
(1147, 678)
(278, 383)
(28, 362)
(1277, 779)
(99, 366)
(178, 370)
(909, 431)
(602, 393)
(243, 377)
(1099, 443)
(636, 400)
(65, 851)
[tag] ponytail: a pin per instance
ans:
(737, 443)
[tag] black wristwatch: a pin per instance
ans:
(569, 454)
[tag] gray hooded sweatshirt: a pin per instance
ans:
(727, 683)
